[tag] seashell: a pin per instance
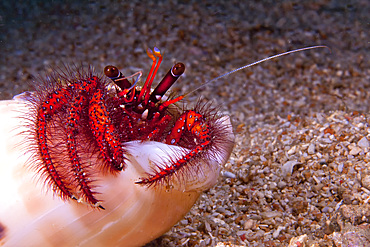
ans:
(134, 215)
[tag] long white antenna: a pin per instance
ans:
(258, 62)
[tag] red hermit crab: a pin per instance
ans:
(131, 160)
(106, 145)
(86, 110)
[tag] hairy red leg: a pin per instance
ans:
(72, 100)
(79, 101)
(80, 173)
(189, 121)
(105, 133)
(47, 109)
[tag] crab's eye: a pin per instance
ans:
(111, 71)
(178, 69)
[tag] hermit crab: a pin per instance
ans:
(90, 161)
(97, 160)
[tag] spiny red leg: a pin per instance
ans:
(47, 109)
(189, 121)
(80, 173)
(105, 133)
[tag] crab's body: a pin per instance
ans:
(76, 114)
(84, 163)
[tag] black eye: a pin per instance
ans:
(111, 71)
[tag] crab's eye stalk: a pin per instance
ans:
(113, 73)
(168, 80)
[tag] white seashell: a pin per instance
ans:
(287, 168)
(134, 215)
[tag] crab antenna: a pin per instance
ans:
(258, 62)
(168, 80)
(139, 73)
